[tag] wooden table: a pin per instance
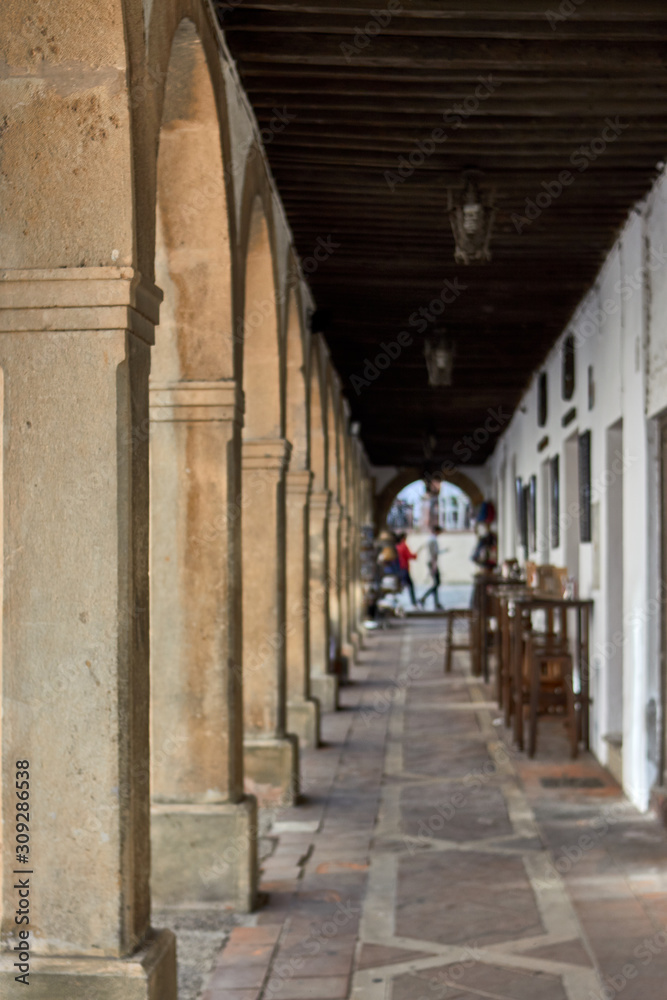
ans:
(503, 591)
(487, 584)
(526, 604)
(480, 658)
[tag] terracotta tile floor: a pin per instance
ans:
(429, 859)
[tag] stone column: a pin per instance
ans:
(74, 356)
(271, 754)
(357, 588)
(347, 646)
(350, 639)
(303, 711)
(323, 684)
(335, 622)
(203, 828)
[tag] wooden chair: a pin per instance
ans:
(548, 680)
(453, 615)
(550, 581)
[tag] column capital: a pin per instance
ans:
(335, 509)
(46, 300)
(298, 482)
(179, 402)
(266, 453)
(319, 500)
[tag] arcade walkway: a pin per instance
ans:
(428, 860)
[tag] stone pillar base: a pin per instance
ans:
(349, 651)
(272, 769)
(205, 853)
(324, 687)
(149, 974)
(303, 719)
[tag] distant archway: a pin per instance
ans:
(388, 494)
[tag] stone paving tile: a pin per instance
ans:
(222, 993)
(458, 899)
(375, 956)
(459, 983)
(458, 812)
(316, 988)
(569, 952)
(361, 902)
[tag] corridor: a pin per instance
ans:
(265, 266)
(429, 860)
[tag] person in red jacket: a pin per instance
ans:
(404, 556)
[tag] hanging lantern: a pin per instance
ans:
(439, 356)
(471, 218)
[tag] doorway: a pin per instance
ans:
(614, 602)
(571, 525)
(543, 532)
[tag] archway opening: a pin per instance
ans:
(194, 464)
(262, 368)
(416, 509)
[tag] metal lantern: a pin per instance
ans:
(471, 218)
(439, 356)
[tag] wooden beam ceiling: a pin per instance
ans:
(357, 111)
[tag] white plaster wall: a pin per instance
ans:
(621, 330)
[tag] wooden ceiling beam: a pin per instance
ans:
(592, 10)
(485, 56)
(244, 20)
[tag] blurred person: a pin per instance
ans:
(404, 556)
(433, 568)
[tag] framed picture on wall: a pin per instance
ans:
(585, 527)
(522, 512)
(554, 518)
(532, 514)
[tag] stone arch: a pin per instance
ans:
(318, 432)
(263, 345)
(193, 256)
(297, 388)
(404, 477)
(194, 499)
(148, 93)
(333, 436)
